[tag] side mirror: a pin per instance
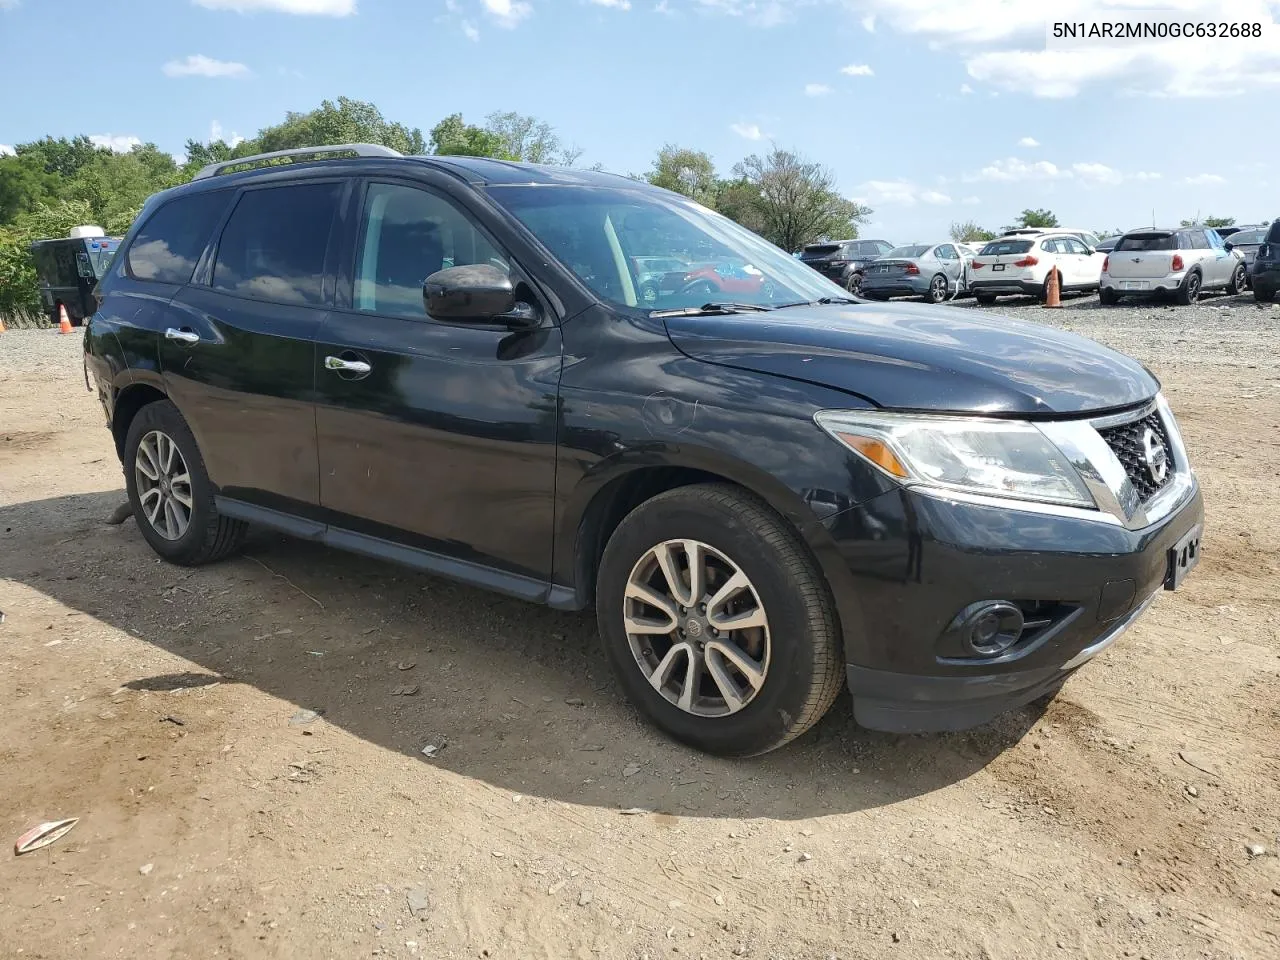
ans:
(478, 293)
(1228, 244)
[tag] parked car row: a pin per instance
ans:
(1181, 262)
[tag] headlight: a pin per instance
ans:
(1001, 458)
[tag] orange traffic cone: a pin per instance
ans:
(1051, 293)
(64, 322)
(1, 325)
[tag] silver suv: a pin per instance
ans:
(1184, 262)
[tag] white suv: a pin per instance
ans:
(1089, 237)
(1021, 264)
(1184, 262)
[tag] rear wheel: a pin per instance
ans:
(1238, 278)
(1263, 294)
(854, 284)
(717, 622)
(1044, 290)
(1189, 292)
(170, 491)
(937, 289)
(1108, 296)
(986, 299)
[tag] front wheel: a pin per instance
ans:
(1239, 277)
(937, 289)
(718, 623)
(170, 491)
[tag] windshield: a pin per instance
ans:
(101, 260)
(915, 250)
(1147, 241)
(605, 235)
(1247, 236)
(998, 248)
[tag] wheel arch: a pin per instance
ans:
(128, 403)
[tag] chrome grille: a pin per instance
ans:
(1126, 442)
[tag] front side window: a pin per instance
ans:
(170, 243)
(599, 233)
(408, 234)
(1198, 240)
(273, 247)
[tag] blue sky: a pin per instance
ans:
(928, 110)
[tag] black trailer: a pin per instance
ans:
(68, 269)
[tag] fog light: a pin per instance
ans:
(990, 627)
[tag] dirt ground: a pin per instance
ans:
(159, 705)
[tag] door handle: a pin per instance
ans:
(182, 336)
(346, 366)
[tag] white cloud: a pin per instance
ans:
(869, 23)
(322, 8)
(1002, 43)
(816, 89)
(965, 89)
(470, 31)
(1204, 179)
(1144, 175)
(198, 65)
(508, 13)
(117, 143)
(1096, 173)
(901, 192)
(217, 134)
(7, 151)
(748, 131)
(1014, 170)
(858, 70)
(1028, 142)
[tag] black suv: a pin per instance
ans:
(844, 261)
(446, 362)
(1265, 275)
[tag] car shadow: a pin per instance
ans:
(516, 695)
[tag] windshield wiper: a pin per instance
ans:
(825, 301)
(712, 309)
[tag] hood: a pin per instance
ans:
(920, 357)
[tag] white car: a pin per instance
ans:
(1184, 262)
(1088, 236)
(1016, 265)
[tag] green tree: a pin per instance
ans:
(347, 121)
(25, 185)
(796, 201)
(1035, 218)
(968, 231)
(685, 171)
(452, 136)
(530, 139)
(19, 289)
(62, 157)
(1211, 222)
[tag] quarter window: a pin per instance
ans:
(273, 247)
(1199, 241)
(407, 235)
(170, 243)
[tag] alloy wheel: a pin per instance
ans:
(938, 290)
(164, 485)
(697, 628)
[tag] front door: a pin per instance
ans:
(438, 436)
(238, 349)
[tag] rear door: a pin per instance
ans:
(952, 265)
(239, 353)
(438, 436)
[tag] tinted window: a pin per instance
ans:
(170, 242)
(409, 234)
(1077, 247)
(1146, 241)
(945, 252)
(915, 250)
(998, 248)
(273, 246)
(1198, 240)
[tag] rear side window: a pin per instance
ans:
(273, 246)
(169, 244)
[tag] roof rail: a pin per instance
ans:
(359, 149)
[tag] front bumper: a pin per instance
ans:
(932, 557)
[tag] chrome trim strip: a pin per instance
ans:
(1111, 636)
(1023, 506)
(1119, 419)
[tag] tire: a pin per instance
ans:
(1239, 276)
(1108, 297)
(1189, 292)
(985, 299)
(207, 536)
(1263, 295)
(797, 652)
(937, 289)
(854, 284)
